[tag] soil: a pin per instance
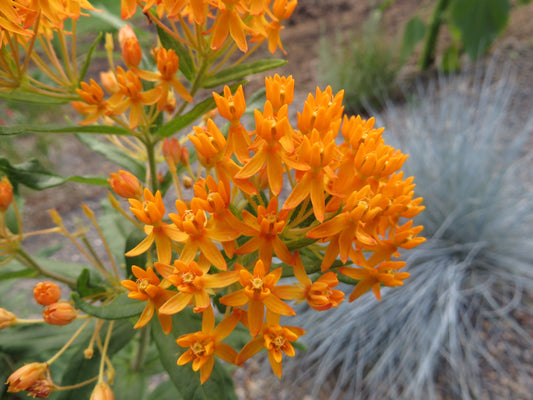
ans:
(300, 39)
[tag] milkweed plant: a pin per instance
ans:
(459, 323)
(211, 233)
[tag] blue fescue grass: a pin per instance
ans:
(435, 336)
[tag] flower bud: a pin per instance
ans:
(25, 376)
(184, 156)
(125, 185)
(102, 391)
(172, 150)
(188, 183)
(60, 313)
(46, 293)
(109, 81)
(6, 194)
(131, 52)
(7, 319)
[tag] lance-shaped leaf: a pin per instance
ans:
(34, 175)
(87, 62)
(169, 42)
(121, 307)
(96, 129)
(241, 71)
(114, 154)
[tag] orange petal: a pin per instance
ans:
(226, 352)
(276, 367)
(256, 310)
(250, 349)
(205, 370)
(274, 304)
(175, 304)
(146, 315)
(235, 299)
(141, 247)
(226, 326)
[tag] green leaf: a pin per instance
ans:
(414, 32)
(34, 175)
(80, 368)
(129, 384)
(479, 22)
(218, 387)
(242, 71)
(24, 273)
(114, 154)
(182, 121)
(164, 391)
(121, 307)
(186, 64)
(88, 58)
(86, 286)
(116, 229)
(451, 61)
(97, 129)
(33, 98)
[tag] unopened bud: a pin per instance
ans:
(102, 391)
(131, 52)
(184, 156)
(125, 33)
(88, 352)
(109, 81)
(46, 293)
(7, 319)
(60, 313)
(25, 376)
(109, 46)
(56, 218)
(172, 150)
(125, 184)
(6, 194)
(188, 183)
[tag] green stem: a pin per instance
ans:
(25, 258)
(428, 53)
(150, 151)
(138, 361)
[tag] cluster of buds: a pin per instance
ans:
(55, 312)
(275, 193)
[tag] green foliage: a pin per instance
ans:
(479, 22)
(365, 65)
(241, 71)
(121, 307)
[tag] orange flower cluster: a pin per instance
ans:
(126, 88)
(281, 193)
(239, 19)
(18, 17)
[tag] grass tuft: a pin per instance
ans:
(458, 320)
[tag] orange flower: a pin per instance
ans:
(193, 283)
(205, 344)
(151, 213)
(282, 9)
(210, 146)
(130, 95)
(128, 8)
(267, 227)
(370, 277)
(11, 21)
(279, 90)
(46, 293)
(198, 233)
(319, 294)
(322, 112)
(258, 291)
(319, 155)
(228, 20)
(167, 66)
(276, 339)
(93, 104)
(349, 226)
(232, 107)
(26, 376)
(274, 146)
(148, 287)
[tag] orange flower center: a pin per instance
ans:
(187, 278)
(279, 341)
(256, 284)
(142, 284)
(198, 349)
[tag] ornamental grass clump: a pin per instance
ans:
(199, 226)
(471, 283)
